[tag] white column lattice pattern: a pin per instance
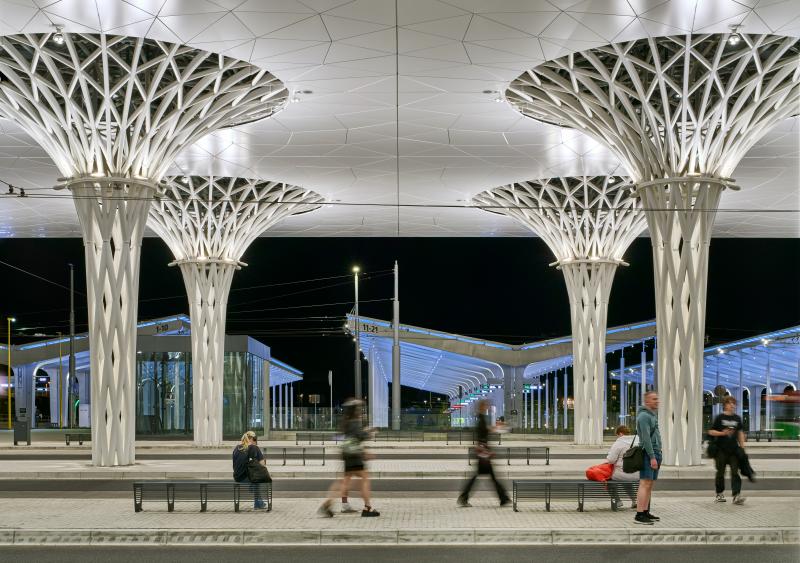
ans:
(680, 112)
(113, 112)
(680, 217)
(588, 223)
(208, 222)
(112, 217)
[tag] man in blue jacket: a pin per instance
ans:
(650, 440)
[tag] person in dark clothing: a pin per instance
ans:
(248, 449)
(727, 433)
(353, 455)
(484, 454)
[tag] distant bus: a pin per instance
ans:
(786, 412)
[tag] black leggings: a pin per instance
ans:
(722, 460)
(484, 468)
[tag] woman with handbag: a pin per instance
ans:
(354, 458)
(250, 466)
(614, 457)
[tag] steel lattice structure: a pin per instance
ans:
(208, 222)
(680, 112)
(588, 223)
(113, 112)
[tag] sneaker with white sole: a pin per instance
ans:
(347, 509)
(720, 498)
(738, 499)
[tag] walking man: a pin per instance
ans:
(484, 454)
(650, 439)
(728, 435)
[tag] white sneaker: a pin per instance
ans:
(738, 499)
(720, 498)
(347, 509)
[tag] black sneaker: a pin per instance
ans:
(652, 517)
(641, 518)
(369, 513)
(504, 501)
(463, 503)
(325, 510)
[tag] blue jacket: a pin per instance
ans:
(647, 428)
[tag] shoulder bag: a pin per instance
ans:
(633, 458)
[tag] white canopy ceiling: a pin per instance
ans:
(455, 56)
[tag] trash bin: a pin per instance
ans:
(22, 427)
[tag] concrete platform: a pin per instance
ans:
(684, 520)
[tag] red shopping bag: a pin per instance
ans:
(600, 472)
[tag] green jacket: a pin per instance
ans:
(647, 428)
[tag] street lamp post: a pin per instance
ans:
(8, 369)
(356, 269)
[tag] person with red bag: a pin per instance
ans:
(614, 459)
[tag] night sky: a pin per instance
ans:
(494, 288)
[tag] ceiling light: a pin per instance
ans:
(58, 36)
(735, 37)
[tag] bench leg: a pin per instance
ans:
(137, 499)
(203, 498)
(269, 497)
(170, 498)
(236, 491)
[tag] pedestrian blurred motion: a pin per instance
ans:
(484, 454)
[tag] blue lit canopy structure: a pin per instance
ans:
(164, 339)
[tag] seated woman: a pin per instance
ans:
(614, 457)
(246, 450)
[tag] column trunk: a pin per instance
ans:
(680, 217)
(207, 286)
(589, 287)
(112, 214)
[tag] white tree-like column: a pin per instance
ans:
(680, 112)
(208, 222)
(588, 223)
(113, 112)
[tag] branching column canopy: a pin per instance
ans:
(588, 223)
(680, 112)
(208, 222)
(113, 112)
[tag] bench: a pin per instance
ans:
(517, 452)
(399, 436)
(758, 434)
(79, 437)
(310, 437)
(273, 453)
(464, 435)
(199, 491)
(577, 490)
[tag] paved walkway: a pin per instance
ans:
(683, 520)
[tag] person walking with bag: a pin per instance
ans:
(250, 466)
(726, 430)
(650, 439)
(354, 458)
(484, 454)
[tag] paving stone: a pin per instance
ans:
(358, 536)
(51, 536)
(129, 537)
(653, 536)
(436, 536)
(747, 536)
(256, 537)
(598, 536)
(203, 537)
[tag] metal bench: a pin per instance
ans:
(461, 436)
(580, 491)
(399, 436)
(273, 453)
(79, 437)
(199, 491)
(517, 452)
(310, 437)
(767, 433)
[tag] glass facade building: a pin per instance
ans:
(164, 386)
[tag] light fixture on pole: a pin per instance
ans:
(8, 369)
(357, 370)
